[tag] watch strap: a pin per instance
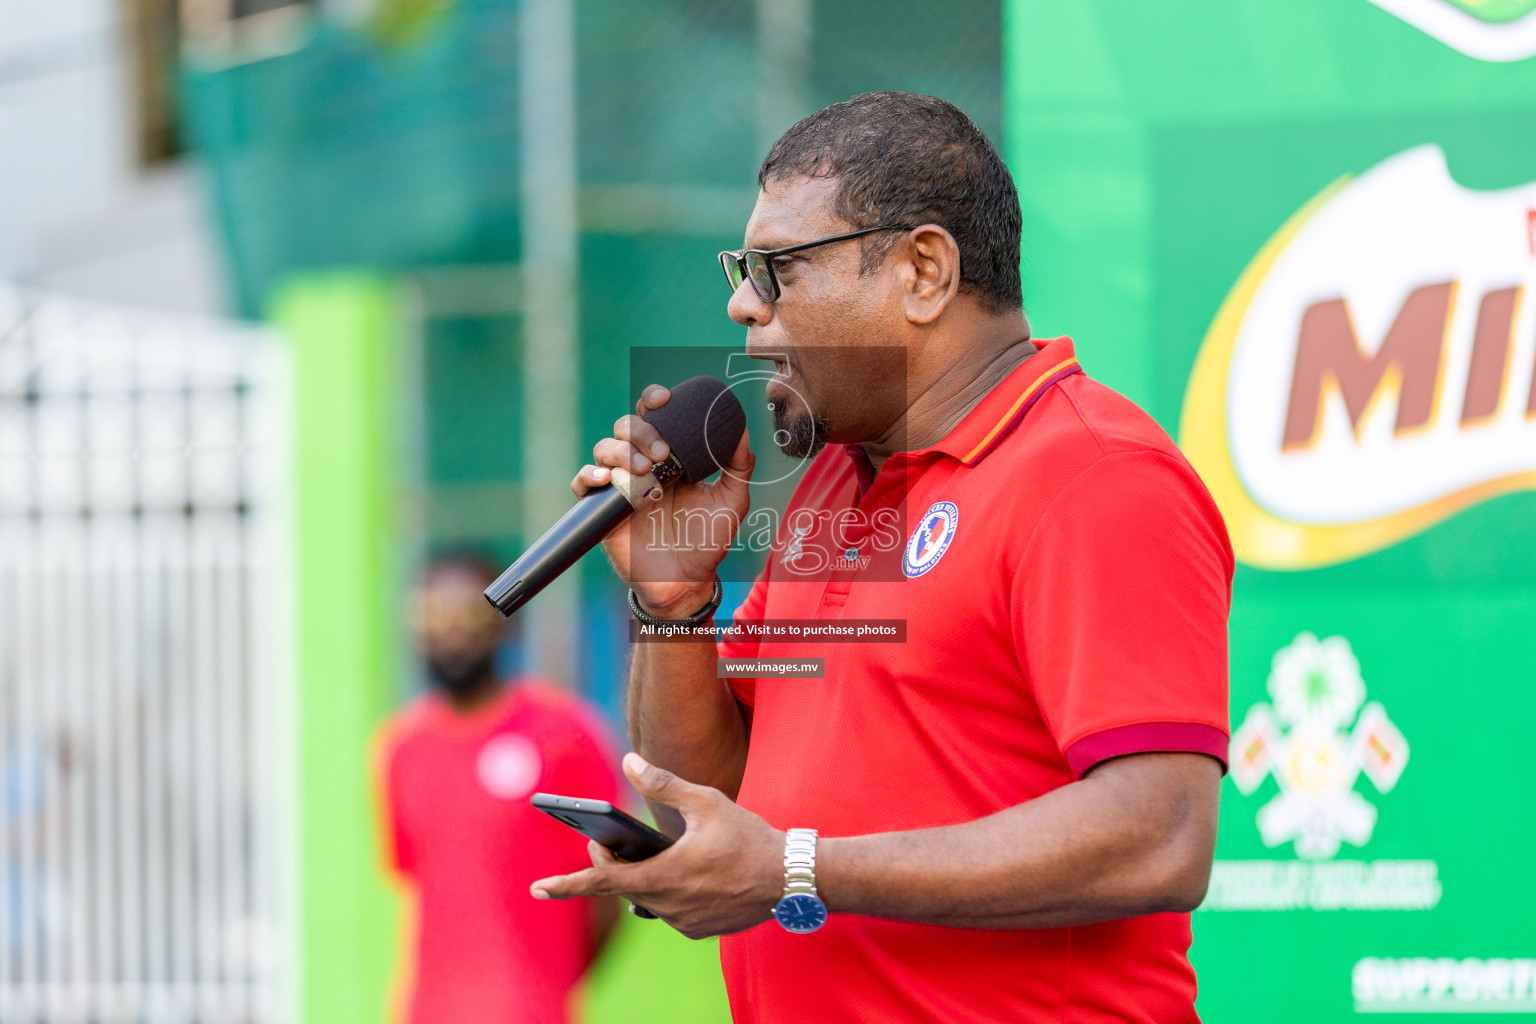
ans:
(800, 861)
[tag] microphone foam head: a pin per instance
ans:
(702, 423)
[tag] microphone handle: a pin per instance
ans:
(580, 530)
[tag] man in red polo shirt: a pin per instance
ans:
(1008, 813)
(456, 769)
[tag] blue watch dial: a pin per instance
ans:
(800, 912)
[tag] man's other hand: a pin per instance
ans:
(724, 874)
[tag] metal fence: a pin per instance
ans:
(141, 552)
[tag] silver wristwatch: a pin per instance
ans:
(800, 910)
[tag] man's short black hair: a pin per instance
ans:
(903, 158)
(475, 562)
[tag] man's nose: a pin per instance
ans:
(747, 308)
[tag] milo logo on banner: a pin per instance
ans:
(1373, 370)
(1491, 30)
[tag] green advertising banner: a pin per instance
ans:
(1303, 236)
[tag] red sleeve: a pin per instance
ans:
(1119, 612)
(398, 856)
(585, 762)
(751, 610)
(581, 760)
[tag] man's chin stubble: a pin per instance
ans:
(807, 435)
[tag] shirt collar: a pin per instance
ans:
(985, 426)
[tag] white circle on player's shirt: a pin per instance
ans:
(509, 766)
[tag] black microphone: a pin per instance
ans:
(702, 424)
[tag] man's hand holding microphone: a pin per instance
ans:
(724, 872)
(671, 580)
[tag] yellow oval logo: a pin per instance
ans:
(1373, 371)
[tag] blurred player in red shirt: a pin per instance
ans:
(456, 769)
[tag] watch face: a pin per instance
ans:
(801, 912)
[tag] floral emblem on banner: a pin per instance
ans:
(1316, 748)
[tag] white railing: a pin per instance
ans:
(141, 677)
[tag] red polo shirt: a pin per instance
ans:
(1065, 579)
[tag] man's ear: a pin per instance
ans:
(930, 272)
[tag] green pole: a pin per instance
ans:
(346, 619)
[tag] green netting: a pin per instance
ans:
(349, 153)
(352, 150)
(398, 148)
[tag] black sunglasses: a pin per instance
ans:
(756, 265)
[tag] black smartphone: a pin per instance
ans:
(627, 837)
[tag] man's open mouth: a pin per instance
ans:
(779, 387)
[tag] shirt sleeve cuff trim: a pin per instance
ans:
(1147, 738)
